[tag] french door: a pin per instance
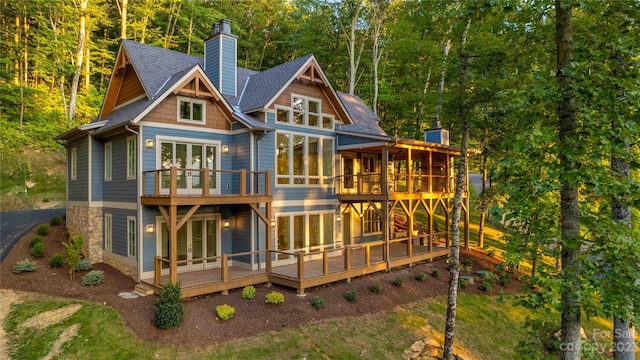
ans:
(189, 159)
(197, 239)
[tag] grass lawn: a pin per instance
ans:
(486, 329)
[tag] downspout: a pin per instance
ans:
(139, 207)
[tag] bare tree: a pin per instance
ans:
(79, 54)
(122, 8)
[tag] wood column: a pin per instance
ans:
(386, 221)
(173, 241)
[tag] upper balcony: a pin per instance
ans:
(178, 186)
(401, 186)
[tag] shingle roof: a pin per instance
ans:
(241, 78)
(263, 86)
(365, 121)
(153, 64)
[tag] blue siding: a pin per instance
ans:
(97, 169)
(344, 140)
(120, 188)
(241, 233)
(78, 189)
(119, 229)
(212, 60)
(228, 81)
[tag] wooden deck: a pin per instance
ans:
(298, 270)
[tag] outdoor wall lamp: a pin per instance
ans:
(225, 149)
(149, 229)
(225, 223)
(273, 223)
(149, 143)
(338, 218)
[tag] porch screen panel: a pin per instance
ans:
(298, 159)
(298, 232)
(283, 158)
(166, 159)
(314, 230)
(212, 241)
(327, 160)
(327, 229)
(196, 164)
(314, 168)
(283, 235)
(182, 243)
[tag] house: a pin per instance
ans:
(199, 171)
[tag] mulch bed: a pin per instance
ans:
(200, 325)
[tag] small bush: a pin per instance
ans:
(435, 273)
(397, 282)
(93, 278)
(351, 295)
(34, 240)
(462, 283)
(45, 200)
(249, 292)
(504, 279)
(25, 265)
(317, 302)
(225, 312)
(375, 288)
(486, 285)
(466, 262)
(422, 277)
(274, 297)
(37, 250)
(55, 220)
(56, 260)
(73, 248)
(168, 308)
(43, 229)
(84, 265)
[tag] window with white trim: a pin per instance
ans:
(372, 222)
(108, 232)
(304, 111)
(191, 110)
(107, 161)
(131, 236)
(131, 157)
(303, 160)
(74, 163)
(296, 232)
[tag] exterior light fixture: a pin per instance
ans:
(338, 218)
(273, 223)
(225, 223)
(225, 149)
(149, 143)
(149, 228)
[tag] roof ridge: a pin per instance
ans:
(161, 48)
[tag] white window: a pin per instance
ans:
(74, 163)
(191, 110)
(302, 159)
(131, 236)
(131, 157)
(311, 231)
(108, 232)
(372, 221)
(304, 111)
(107, 161)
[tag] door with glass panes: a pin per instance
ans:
(189, 159)
(197, 243)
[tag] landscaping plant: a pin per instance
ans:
(225, 312)
(397, 282)
(249, 292)
(56, 260)
(55, 220)
(84, 265)
(422, 277)
(43, 229)
(317, 302)
(37, 250)
(351, 295)
(274, 297)
(93, 278)
(73, 248)
(375, 288)
(34, 240)
(435, 273)
(25, 265)
(168, 309)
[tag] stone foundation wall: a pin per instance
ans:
(122, 265)
(87, 222)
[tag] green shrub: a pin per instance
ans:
(168, 308)
(73, 249)
(435, 273)
(317, 302)
(422, 277)
(84, 265)
(274, 297)
(225, 312)
(397, 282)
(55, 220)
(375, 288)
(25, 265)
(249, 292)
(56, 260)
(351, 295)
(504, 279)
(34, 240)
(43, 229)
(466, 262)
(462, 283)
(93, 278)
(37, 250)
(45, 200)
(486, 285)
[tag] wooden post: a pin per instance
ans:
(173, 177)
(325, 263)
(156, 182)
(269, 240)
(157, 274)
(386, 220)
(224, 268)
(204, 175)
(173, 237)
(409, 173)
(410, 228)
(347, 261)
(243, 182)
(300, 266)
(367, 255)
(267, 182)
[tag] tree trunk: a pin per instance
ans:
(483, 192)
(355, 8)
(122, 8)
(78, 65)
(87, 68)
(450, 322)
(569, 208)
(443, 73)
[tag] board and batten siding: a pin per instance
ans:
(79, 188)
(120, 189)
(119, 229)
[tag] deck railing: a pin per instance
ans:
(205, 182)
(368, 184)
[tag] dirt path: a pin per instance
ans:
(7, 298)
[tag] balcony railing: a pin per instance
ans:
(205, 182)
(369, 184)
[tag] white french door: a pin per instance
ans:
(189, 159)
(197, 239)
